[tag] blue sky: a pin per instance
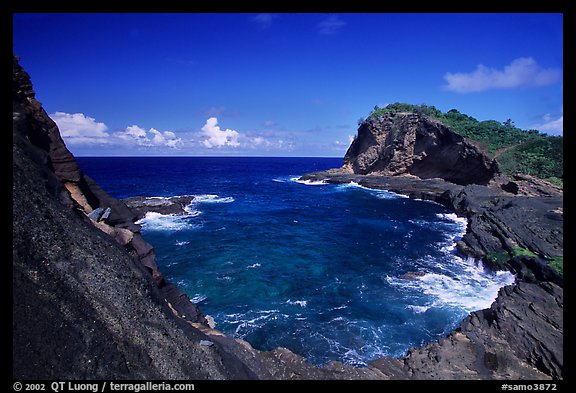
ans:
(290, 84)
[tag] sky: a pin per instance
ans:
(286, 84)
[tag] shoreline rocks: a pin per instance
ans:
(497, 221)
(169, 205)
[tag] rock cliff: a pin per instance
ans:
(411, 144)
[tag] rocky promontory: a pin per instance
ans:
(515, 222)
(410, 144)
(163, 205)
(89, 301)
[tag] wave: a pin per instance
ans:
(418, 309)
(465, 285)
(309, 182)
(181, 243)
(462, 222)
(211, 198)
(153, 221)
(380, 194)
(254, 266)
(301, 303)
(248, 322)
(198, 298)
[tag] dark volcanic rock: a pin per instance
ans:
(519, 337)
(171, 205)
(32, 122)
(499, 221)
(534, 270)
(408, 143)
(83, 308)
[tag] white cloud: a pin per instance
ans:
(218, 138)
(330, 25)
(152, 137)
(135, 134)
(521, 72)
(78, 128)
(259, 140)
(264, 21)
(550, 125)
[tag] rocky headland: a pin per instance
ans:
(515, 222)
(90, 303)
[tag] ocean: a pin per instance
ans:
(331, 272)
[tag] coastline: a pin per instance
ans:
(536, 283)
(68, 265)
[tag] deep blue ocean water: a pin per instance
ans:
(316, 268)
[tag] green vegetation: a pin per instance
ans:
(557, 263)
(516, 251)
(500, 258)
(518, 151)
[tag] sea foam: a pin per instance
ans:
(467, 285)
(211, 198)
(153, 221)
(309, 182)
(380, 194)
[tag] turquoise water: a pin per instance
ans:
(316, 268)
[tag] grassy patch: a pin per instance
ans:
(497, 258)
(557, 263)
(517, 251)
(556, 181)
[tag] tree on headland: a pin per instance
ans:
(508, 123)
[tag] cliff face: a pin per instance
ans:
(411, 144)
(88, 298)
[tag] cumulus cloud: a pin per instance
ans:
(550, 125)
(166, 138)
(521, 72)
(216, 137)
(77, 128)
(330, 25)
(139, 136)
